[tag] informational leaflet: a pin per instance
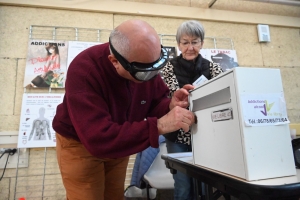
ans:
(264, 109)
(37, 113)
(75, 47)
(46, 64)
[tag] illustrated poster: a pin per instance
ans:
(75, 47)
(171, 52)
(226, 58)
(37, 113)
(46, 64)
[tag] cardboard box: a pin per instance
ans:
(243, 128)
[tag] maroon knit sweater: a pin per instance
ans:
(107, 112)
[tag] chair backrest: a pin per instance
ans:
(158, 175)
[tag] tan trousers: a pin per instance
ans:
(86, 177)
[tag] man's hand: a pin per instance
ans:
(180, 97)
(175, 119)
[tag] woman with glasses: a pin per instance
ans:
(182, 70)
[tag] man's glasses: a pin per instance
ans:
(142, 71)
(193, 44)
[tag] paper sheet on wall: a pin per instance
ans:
(37, 113)
(264, 109)
(226, 58)
(75, 47)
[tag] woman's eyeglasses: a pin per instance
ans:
(193, 44)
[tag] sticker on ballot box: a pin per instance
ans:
(264, 109)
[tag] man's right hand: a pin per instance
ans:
(175, 119)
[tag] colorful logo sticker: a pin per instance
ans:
(267, 108)
(264, 109)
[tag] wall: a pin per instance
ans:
(282, 52)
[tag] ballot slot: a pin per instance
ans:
(214, 99)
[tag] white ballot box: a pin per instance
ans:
(242, 127)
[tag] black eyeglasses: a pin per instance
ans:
(142, 71)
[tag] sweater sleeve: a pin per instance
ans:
(103, 137)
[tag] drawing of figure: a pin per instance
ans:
(40, 127)
(51, 67)
(53, 59)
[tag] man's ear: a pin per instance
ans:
(113, 60)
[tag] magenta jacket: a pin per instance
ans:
(111, 116)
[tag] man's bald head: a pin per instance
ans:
(136, 41)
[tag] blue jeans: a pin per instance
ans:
(183, 187)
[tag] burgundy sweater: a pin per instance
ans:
(107, 112)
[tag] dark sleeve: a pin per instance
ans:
(103, 137)
(160, 99)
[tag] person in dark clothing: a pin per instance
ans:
(114, 106)
(180, 71)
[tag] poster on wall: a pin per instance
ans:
(171, 52)
(226, 58)
(75, 47)
(37, 113)
(46, 64)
